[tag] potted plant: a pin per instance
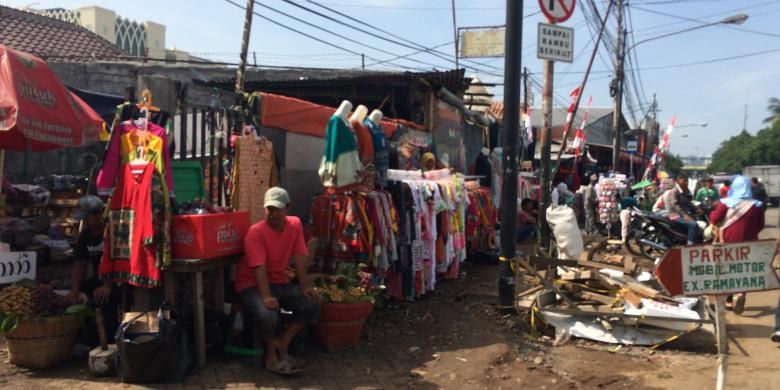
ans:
(38, 324)
(348, 297)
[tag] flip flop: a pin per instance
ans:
(296, 362)
(284, 368)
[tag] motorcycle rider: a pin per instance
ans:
(708, 192)
(679, 208)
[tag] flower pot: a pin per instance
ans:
(341, 324)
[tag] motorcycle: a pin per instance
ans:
(651, 235)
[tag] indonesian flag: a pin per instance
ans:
(581, 135)
(570, 111)
(663, 146)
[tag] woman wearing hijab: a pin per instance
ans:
(428, 162)
(741, 218)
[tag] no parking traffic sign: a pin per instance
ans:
(557, 11)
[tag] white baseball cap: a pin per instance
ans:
(276, 197)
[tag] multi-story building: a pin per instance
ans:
(138, 39)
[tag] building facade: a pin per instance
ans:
(137, 39)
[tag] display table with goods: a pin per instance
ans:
(348, 299)
(38, 324)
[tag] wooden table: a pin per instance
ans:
(197, 267)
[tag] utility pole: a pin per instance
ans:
(455, 33)
(250, 4)
(654, 130)
(618, 89)
(545, 138)
(508, 211)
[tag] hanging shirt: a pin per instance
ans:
(381, 155)
(340, 161)
(365, 143)
(117, 153)
(128, 251)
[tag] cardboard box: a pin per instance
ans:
(209, 236)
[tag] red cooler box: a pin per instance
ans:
(208, 236)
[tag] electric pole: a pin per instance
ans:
(545, 139)
(509, 137)
(250, 4)
(618, 89)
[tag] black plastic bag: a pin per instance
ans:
(161, 356)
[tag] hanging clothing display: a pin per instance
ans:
(381, 153)
(340, 164)
(253, 174)
(496, 179)
(130, 253)
(365, 142)
(123, 147)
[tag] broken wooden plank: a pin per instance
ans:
(631, 298)
(579, 275)
(604, 299)
(547, 283)
(546, 262)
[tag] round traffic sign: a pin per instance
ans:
(557, 11)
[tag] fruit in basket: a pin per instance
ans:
(47, 302)
(16, 301)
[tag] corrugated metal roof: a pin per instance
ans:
(52, 39)
(256, 79)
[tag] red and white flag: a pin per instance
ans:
(574, 94)
(580, 136)
(660, 150)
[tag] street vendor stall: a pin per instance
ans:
(38, 113)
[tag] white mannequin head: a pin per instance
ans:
(344, 109)
(376, 116)
(485, 151)
(360, 113)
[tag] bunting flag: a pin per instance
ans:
(581, 135)
(661, 149)
(574, 94)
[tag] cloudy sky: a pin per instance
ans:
(707, 75)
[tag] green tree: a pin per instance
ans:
(774, 111)
(733, 153)
(673, 164)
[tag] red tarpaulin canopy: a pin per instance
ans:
(37, 109)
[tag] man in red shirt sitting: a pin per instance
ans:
(265, 288)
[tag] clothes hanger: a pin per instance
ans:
(138, 164)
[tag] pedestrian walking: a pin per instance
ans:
(741, 218)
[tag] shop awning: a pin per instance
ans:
(104, 104)
(303, 117)
(36, 109)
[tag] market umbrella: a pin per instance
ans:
(37, 110)
(642, 184)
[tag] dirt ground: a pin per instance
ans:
(454, 339)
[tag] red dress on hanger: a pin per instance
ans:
(129, 251)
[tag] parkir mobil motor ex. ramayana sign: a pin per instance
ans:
(720, 269)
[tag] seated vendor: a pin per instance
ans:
(89, 250)
(265, 287)
(526, 220)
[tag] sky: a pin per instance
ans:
(706, 89)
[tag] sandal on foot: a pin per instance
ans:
(296, 362)
(284, 368)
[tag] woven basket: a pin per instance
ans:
(42, 342)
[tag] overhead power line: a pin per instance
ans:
(757, 32)
(344, 37)
(311, 36)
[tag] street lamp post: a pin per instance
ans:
(618, 82)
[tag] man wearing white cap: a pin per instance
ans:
(264, 285)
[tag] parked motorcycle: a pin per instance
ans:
(651, 236)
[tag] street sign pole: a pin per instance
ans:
(556, 11)
(723, 342)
